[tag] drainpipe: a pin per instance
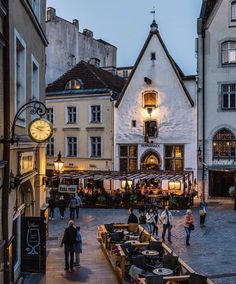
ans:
(6, 146)
(203, 114)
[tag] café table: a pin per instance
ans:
(163, 271)
(133, 242)
(150, 253)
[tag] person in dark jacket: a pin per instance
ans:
(72, 206)
(62, 206)
(132, 217)
(69, 241)
(51, 205)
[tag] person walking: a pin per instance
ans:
(69, 242)
(202, 212)
(62, 206)
(72, 206)
(188, 225)
(78, 247)
(150, 220)
(132, 217)
(51, 205)
(78, 204)
(166, 219)
(155, 225)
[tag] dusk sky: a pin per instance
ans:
(126, 24)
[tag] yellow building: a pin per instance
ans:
(80, 106)
(22, 164)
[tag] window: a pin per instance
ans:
(228, 50)
(151, 128)
(95, 146)
(71, 114)
(35, 80)
(95, 113)
(150, 99)
(224, 144)
(71, 146)
(153, 55)
(174, 157)
(128, 158)
(228, 96)
(50, 147)
(125, 73)
(73, 85)
(20, 74)
(36, 8)
(50, 115)
(133, 123)
(233, 11)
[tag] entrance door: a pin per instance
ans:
(150, 161)
(220, 182)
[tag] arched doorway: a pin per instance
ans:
(150, 160)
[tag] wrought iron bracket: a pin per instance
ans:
(36, 107)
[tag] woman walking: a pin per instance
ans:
(188, 225)
(150, 220)
(62, 206)
(202, 212)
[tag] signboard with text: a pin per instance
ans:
(33, 244)
(63, 188)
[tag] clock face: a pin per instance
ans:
(40, 130)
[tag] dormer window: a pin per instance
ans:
(233, 11)
(74, 84)
(228, 50)
(150, 99)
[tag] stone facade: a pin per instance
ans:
(68, 46)
(175, 112)
(216, 166)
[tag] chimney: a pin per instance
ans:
(87, 33)
(51, 14)
(75, 22)
(94, 61)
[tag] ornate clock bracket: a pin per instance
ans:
(36, 107)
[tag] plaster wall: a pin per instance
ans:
(176, 117)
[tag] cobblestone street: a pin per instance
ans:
(212, 249)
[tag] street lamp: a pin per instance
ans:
(58, 163)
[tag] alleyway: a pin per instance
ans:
(212, 250)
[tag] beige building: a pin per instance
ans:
(80, 105)
(24, 81)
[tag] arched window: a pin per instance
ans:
(73, 84)
(224, 144)
(228, 51)
(233, 11)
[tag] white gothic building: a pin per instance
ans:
(155, 115)
(217, 96)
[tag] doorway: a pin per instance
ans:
(150, 161)
(220, 182)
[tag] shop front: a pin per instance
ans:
(220, 181)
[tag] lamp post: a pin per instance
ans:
(58, 163)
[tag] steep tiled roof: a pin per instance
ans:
(91, 76)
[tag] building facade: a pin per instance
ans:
(68, 46)
(155, 116)
(217, 97)
(80, 106)
(23, 75)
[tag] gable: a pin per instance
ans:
(154, 43)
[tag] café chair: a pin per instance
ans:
(171, 262)
(133, 228)
(140, 262)
(109, 227)
(197, 278)
(154, 279)
(116, 237)
(157, 246)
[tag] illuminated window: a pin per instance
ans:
(128, 158)
(174, 185)
(150, 99)
(228, 50)
(73, 85)
(224, 144)
(174, 157)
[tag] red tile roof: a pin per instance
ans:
(91, 76)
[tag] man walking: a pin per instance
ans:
(69, 241)
(78, 204)
(166, 219)
(132, 217)
(72, 206)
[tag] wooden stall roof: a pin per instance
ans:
(140, 175)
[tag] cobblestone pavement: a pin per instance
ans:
(211, 252)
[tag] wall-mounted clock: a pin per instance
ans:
(40, 130)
